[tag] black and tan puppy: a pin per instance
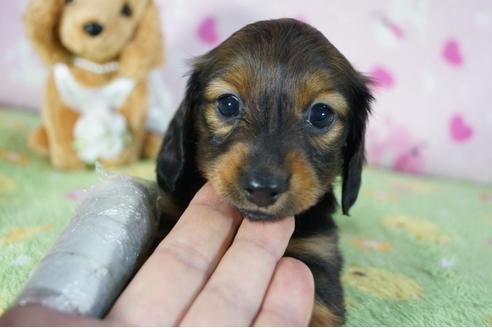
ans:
(271, 117)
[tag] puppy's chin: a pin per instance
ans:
(257, 215)
(275, 212)
(261, 216)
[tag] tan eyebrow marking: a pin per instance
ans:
(218, 87)
(317, 85)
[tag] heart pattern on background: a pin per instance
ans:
(459, 129)
(207, 31)
(382, 77)
(451, 52)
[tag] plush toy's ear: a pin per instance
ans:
(146, 50)
(41, 22)
(360, 102)
(176, 167)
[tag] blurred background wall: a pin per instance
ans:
(431, 60)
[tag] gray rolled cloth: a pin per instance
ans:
(100, 250)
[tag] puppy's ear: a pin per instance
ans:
(360, 101)
(177, 154)
(42, 22)
(146, 50)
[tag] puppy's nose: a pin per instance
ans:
(264, 190)
(93, 29)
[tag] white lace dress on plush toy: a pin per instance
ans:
(101, 132)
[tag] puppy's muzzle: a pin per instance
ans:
(263, 189)
(93, 29)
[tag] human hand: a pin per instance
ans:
(212, 269)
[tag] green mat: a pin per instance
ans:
(418, 251)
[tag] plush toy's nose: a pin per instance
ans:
(93, 29)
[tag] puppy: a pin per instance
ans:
(271, 117)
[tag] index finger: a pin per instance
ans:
(167, 283)
(235, 292)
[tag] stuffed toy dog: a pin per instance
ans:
(98, 103)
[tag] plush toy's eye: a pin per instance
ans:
(229, 106)
(68, 2)
(320, 116)
(126, 10)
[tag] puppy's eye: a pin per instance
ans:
(320, 116)
(68, 2)
(229, 106)
(126, 10)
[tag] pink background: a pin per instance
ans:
(432, 61)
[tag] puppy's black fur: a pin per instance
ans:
(277, 71)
